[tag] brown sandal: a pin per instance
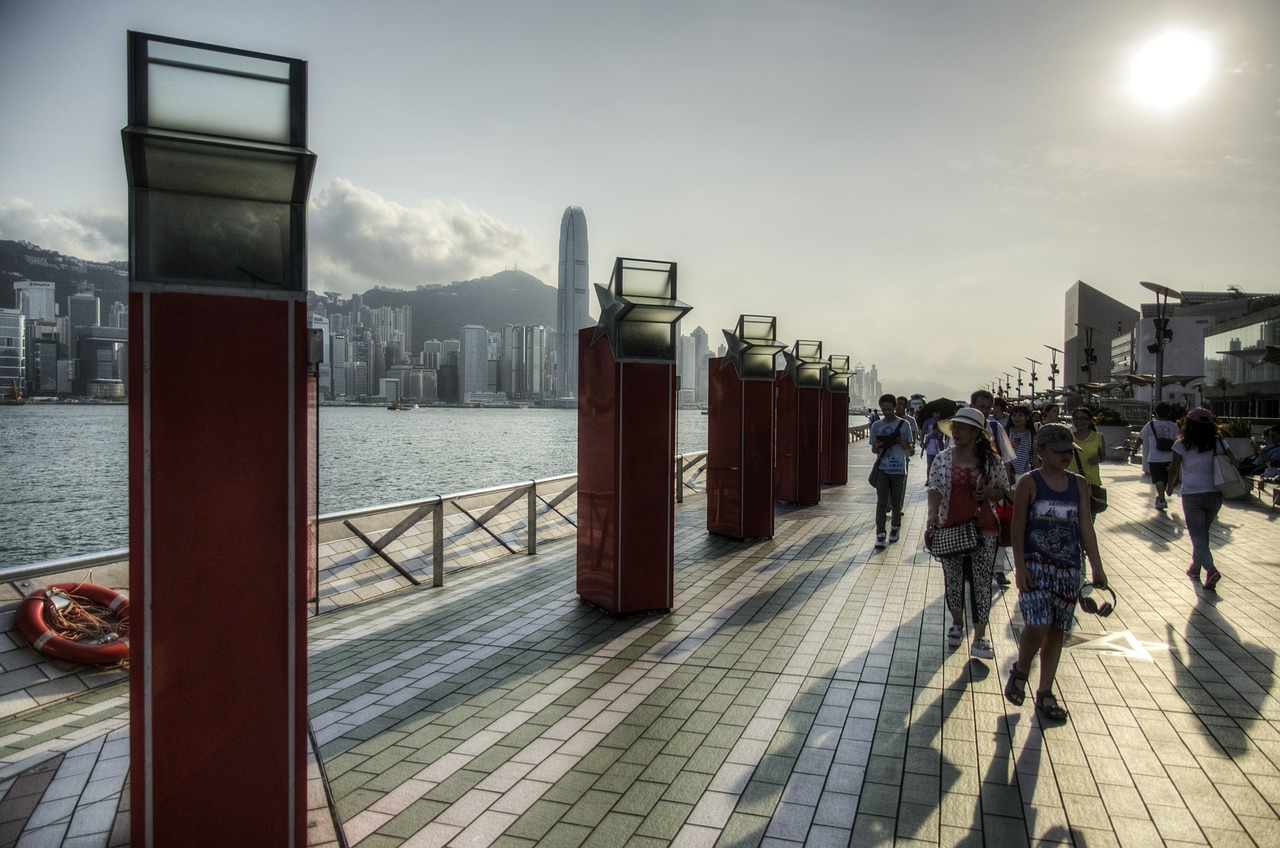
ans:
(1047, 706)
(1016, 695)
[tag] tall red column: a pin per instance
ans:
(740, 447)
(833, 465)
(796, 475)
(221, 534)
(626, 485)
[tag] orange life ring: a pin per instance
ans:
(32, 624)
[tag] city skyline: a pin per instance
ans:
(907, 182)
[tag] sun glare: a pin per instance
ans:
(1169, 69)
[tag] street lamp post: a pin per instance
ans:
(1034, 363)
(1090, 356)
(1053, 368)
(1008, 383)
(1163, 334)
(1020, 372)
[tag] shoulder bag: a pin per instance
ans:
(955, 541)
(1226, 477)
(874, 477)
(1097, 494)
(1162, 444)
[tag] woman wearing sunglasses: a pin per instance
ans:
(1051, 535)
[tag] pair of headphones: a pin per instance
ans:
(1090, 604)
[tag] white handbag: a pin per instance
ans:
(1226, 477)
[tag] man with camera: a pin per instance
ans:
(892, 441)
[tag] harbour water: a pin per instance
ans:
(64, 467)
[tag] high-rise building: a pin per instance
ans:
(12, 357)
(36, 299)
(701, 352)
(473, 361)
(572, 297)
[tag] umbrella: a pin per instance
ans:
(945, 408)
(1182, 379)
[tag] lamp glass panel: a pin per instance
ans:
(760, 329)
(758, 365)
(644, 340)
(642, 278)
(810, 376)
(654, 314)
(808, 350)
(216, 240)
(217, 60)
(838, 383)
(217, 103)
(839, 363)
(220, 171)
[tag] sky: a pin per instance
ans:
(916, 183)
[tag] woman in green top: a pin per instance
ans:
(1091, 448)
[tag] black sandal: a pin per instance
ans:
(1048, 707)
(1016, 696)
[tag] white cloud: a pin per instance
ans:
(358, 239)
(89, 232)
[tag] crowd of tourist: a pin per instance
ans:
(1006, 476)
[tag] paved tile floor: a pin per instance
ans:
(801, 693)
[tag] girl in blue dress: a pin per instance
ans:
(1051, 531)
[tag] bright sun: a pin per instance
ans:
(1169, 69)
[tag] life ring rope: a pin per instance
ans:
(92, 629)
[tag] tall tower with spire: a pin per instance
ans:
(572, 296)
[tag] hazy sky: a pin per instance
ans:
(915, 183)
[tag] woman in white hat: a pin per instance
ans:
(965, 482)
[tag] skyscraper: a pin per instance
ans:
(571, 299)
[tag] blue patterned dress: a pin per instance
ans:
(1053, 555)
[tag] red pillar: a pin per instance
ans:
(796, 474)
(834, 453)
(626, 484)
(740, 421)
(221, 507)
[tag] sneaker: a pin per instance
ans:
(893, 534)
(880, 543)
(955, 635)
(1002, 578)
(982, 649)
(1161, 503)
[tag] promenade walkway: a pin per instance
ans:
(801, 693)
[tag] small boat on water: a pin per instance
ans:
(13, 397)
(397, 406)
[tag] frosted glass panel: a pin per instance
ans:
(216, 103)
(202, 169)
(638, 340)
(216, 59)
(646, 279)
(217, 240)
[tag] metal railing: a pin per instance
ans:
(364, 553)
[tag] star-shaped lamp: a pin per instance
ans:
(639, 310)
(752, 347)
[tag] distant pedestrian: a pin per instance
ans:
(1049, 414)
(964, 484)
(1091, 448)
(1193, 465)
(1050, 534)
(1158, 437)
(932, 439)
(1021, 436)
(891, 441)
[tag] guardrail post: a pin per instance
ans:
(532, 501)
(437, 545)
(679, 468)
